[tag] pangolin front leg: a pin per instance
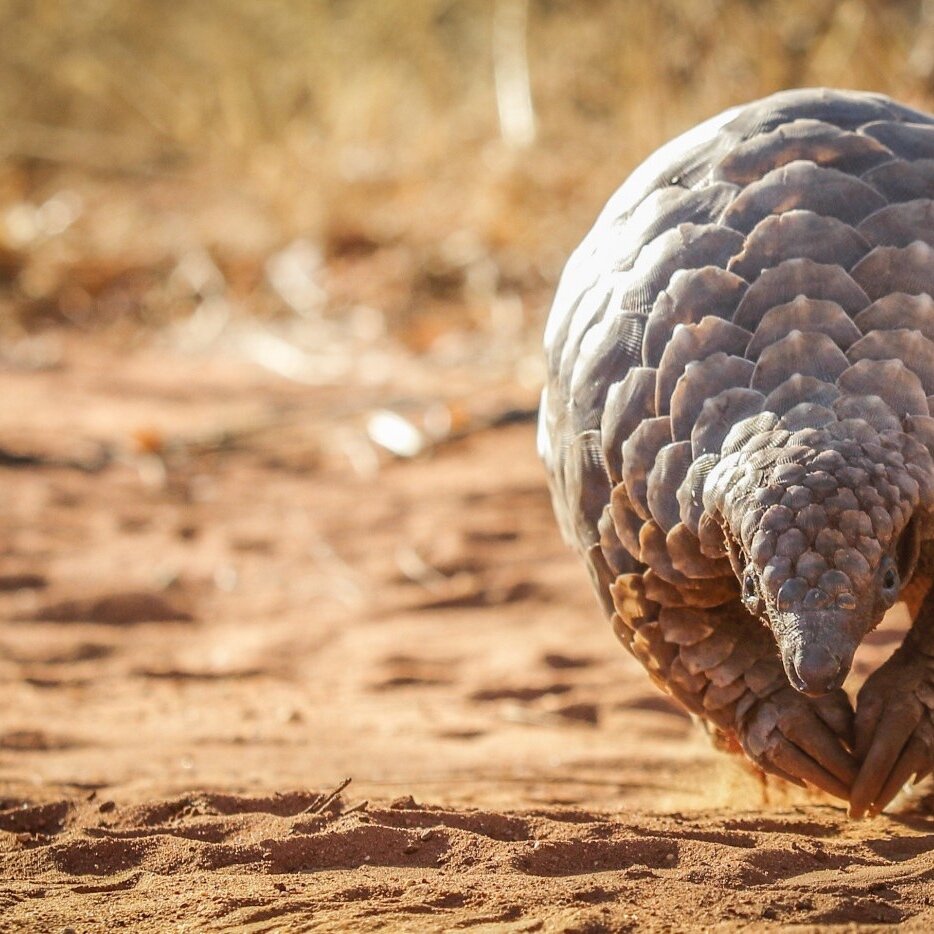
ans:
(894, 724)
(723, 666)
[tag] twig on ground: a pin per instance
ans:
(325, 798)
(360, 806)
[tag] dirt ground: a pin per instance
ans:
(218, 602)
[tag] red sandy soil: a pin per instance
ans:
(202, 638)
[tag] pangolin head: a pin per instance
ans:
(817, 525)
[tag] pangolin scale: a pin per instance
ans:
(737, 428)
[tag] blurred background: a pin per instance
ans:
(271, 274)
(355, 173)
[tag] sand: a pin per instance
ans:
(216, 605)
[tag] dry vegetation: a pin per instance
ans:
(142, 137)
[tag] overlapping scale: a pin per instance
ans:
(628, 403)
(906, 140)
(889, 269)
(898, 180)
(898, 310)
(900, 224)
(803, 314)
(692, 343)
(798, 353)
(803, 139)
(702, 380)
(909, 346)
(686, 246)
(802, 185)
(794, 235)
(666, 208)
(691, 294)
(799, 277)
(610, 347)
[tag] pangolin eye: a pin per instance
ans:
(890, 582)
(890, 579)
(750, 592)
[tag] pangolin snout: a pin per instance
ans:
(817, 648)
(815, 670)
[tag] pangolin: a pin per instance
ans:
(737, 429)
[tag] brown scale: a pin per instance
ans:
(794, 235)
(798, 277)
(686, 246)
(691, 295)
(900, 224)
(898, 180)
(802, 185)
(888, 269)
(898, 310)
(691, 343)
(811, 140)
(666, 208)
(738, 434)
(805, 315)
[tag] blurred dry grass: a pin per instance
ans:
(156, 155)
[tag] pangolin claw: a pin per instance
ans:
(788, 734)
(894, 733)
